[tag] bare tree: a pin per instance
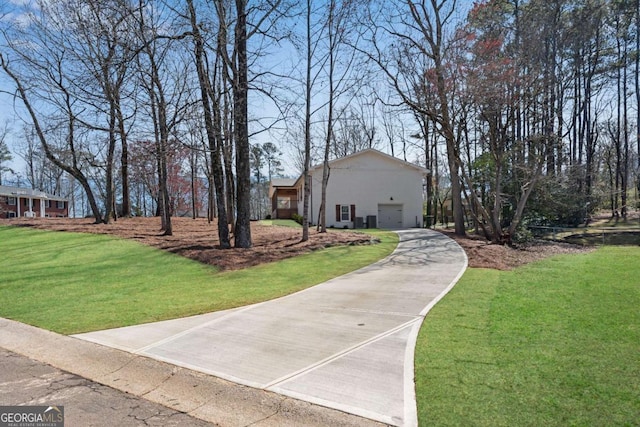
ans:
(308, 85)
(248, 21)
(339, 26)
(5, 154)
(411, 49)
(43, 57)
(637, 90)
(211, 107)
(151, 59)
(240, 88)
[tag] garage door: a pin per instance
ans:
(390, 216)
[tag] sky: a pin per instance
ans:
(282, 60)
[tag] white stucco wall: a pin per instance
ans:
(367, 180)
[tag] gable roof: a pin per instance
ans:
(290, 183)
(10, 191)
(376, 152)
(279, 183)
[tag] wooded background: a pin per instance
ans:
(525, 112)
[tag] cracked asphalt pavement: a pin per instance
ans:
(24, 381)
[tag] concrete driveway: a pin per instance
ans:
(347, 343)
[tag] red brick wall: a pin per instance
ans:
(53, 211)
(5, 208)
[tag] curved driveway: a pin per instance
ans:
(347, 343)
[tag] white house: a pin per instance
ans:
(366, 189)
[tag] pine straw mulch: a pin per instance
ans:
(197, 239)
(484, 254)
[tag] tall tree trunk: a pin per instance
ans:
(625, 132)
(241, 130)
(164, 198)
(307, 131)
(193, 165)
(227, 155)
(161, 129)
(446, 122)
(124, 165)
(109, 190)
(637, 87)
(322, 217)
(213, 132)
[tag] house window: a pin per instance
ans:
(60, 204)
(11, 214)
(11, 201)
(344, 213)
(47, 203)
(284, 203)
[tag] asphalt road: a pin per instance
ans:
(24, 381)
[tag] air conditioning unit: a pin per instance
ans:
(372, 221)
(359, 222)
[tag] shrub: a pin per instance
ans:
(297, 218)
(523, 235)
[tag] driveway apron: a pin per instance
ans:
(347, 343)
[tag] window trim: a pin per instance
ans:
(342, 213)
(12, 201)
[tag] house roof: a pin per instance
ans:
(276, 183)
(279, 183)
(283, 182)
(7, 190)
(377, 152)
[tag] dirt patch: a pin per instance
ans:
(197, 239)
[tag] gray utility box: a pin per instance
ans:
(372, 221)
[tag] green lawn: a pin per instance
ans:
(556, 342)
(553, 343)
(71, 282)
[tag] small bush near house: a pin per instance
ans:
(297, 218)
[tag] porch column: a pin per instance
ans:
(18, 205)
(42, 212)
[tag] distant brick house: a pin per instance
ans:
(25, 202)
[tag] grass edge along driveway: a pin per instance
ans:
(556, 342)
(73, 282)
